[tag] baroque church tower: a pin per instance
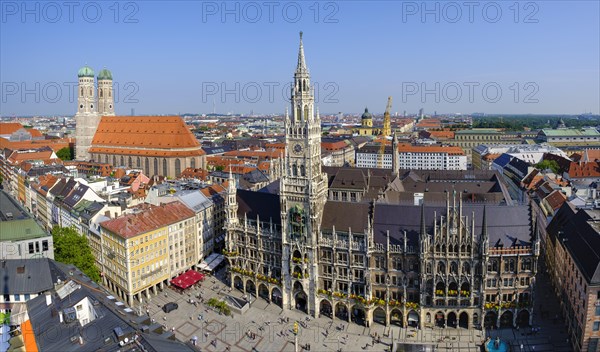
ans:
(303, 194)
(90, 109)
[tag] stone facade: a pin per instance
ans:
(366, 259)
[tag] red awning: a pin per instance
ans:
(187, 279)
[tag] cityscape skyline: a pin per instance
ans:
(425, 57)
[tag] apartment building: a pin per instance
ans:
(142, 251)
(431, 158)
(574, 268)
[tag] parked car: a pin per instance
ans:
(169, 307)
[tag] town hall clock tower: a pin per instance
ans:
(303, 194)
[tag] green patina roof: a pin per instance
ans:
(85, 71)
(478, 131)
(367, 114)
(584, 132)
(18, 230)
(104, 74)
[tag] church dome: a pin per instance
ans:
(105, 74)
(85, 71)
(366, 115)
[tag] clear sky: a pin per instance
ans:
(184, 56)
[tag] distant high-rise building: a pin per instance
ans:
(421, 114)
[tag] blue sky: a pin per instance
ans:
(183, 56)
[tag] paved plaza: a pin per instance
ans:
(267, 327)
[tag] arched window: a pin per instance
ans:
(147, 167)
(526, 264)
(453, 268)
(122, 161)
(304, 85)
(155, 166)
(193, 163)
(165, 172)
(428, 268)
(115, 160)
(466, 269)
(106, 158)
(302, 170)
(139, 162)
(91, 92)
(109, 92)
(101, 95)
(177, 167)
(441, 268)
(129, 162)
(294, 170)
(306, 112)
(81, 93)
(298, 112)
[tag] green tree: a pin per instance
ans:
(65, 154)
(548, 164)
(72, 248)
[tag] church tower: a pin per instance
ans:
(303, 194)
(105, 93)
(86, 98)
(86, 118)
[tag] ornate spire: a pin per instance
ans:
(423, 229)
(484, 233)
(301, 60)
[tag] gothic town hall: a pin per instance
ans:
(405, 247)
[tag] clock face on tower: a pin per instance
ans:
(298, 148)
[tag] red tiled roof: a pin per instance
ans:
(592, 154)
(279, 146)
(47, 180)
(9, 127)
(19, 156)
(194, 173)
(442, 134)
(334, 145)
(149, 219)
(264, 165)
(555, 199)
(583, 170)
(159, 135)
(55, 144)
(214, 189)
